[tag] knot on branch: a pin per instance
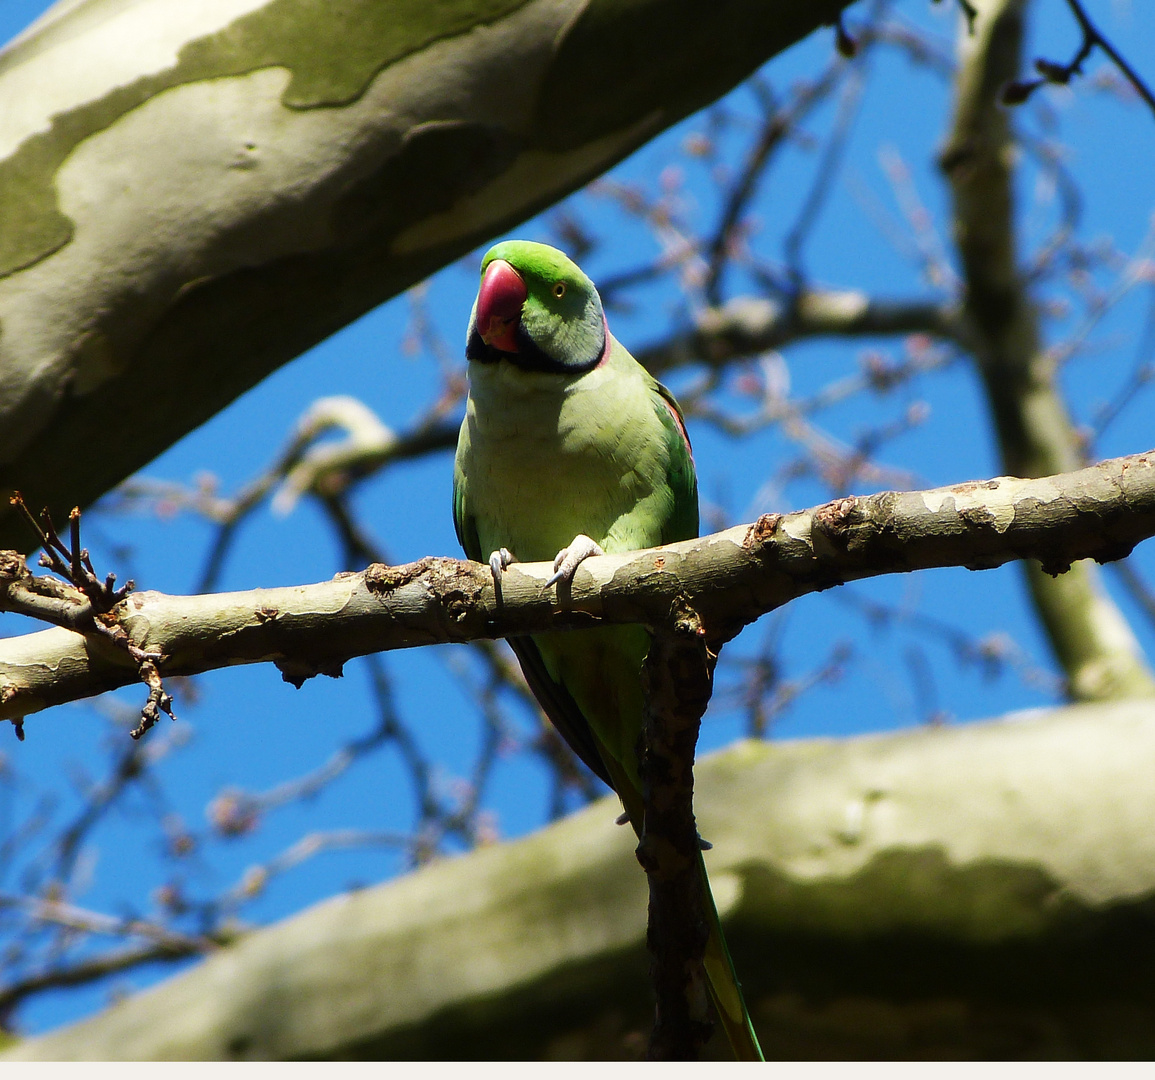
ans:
(459, 587)
(834, 517)
(382, 580)
(833, 522)
(761, 532)
(13, 567)
(297, 671)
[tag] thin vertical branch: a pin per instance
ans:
(677, 678)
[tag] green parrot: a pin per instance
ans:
(570, 448)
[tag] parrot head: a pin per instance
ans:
(536, 310)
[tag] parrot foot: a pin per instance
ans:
(498, 561)
(570, 558)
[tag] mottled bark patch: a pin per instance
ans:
(13, 567)
(382, 579)
(761, 531)
(457, 586)
(834, 516)
(332, 51)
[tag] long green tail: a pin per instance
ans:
(724, 986)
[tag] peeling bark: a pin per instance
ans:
(729, 578)
(180, 217)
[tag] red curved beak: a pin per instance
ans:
(499, 302)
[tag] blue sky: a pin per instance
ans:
(248, 729)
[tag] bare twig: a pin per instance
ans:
(90, 612)
(1140, 591)
(93, 969)
(970, 13)
(1142, 375)
(131, 764)
(749, 325)
(256, 878)
(72, 563)
(989, 653)
(777, 126)
(1035, 432)
(764, 693)
(93, 922)
(826, 172)
(326, 470)
(1050, 71)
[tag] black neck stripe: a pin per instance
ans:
(529, 357)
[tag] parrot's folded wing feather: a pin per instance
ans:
(559, 706)
(465, 524)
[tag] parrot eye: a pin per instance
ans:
(559, 289)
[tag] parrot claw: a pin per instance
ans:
(570, 558)
(498, 561)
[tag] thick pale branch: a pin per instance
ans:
(729, 578)
(974, 891)
(180, 217)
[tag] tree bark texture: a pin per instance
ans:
(979, 891)
(678, 679)
(1089, 635)
(729, 579)
(193, 194)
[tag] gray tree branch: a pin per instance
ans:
(749, 325)
(729, 578)
(179, 218)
